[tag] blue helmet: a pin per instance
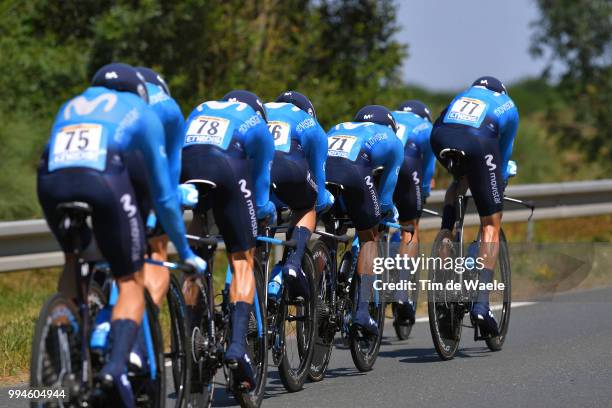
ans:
(491, 83)
(154, 78)
(121, 77)
(416, 107)
(376, 114)
(299, 100)
(250, 99)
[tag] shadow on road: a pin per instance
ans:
(429, 355)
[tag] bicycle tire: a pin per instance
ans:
(178, 355)
(445, 320)
(257, 346)
(58, 315)
(496, 343)
(364, 351)
(324, 334)
(293, 378)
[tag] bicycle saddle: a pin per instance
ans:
(453, 161)
(202, 185)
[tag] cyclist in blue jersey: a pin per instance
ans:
(93, 138)
(413, 186)
(355, 149)
(481, 121)
(228, 143)
(298, 176)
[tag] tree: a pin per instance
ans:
(577, 35)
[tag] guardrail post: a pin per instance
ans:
(530, 230)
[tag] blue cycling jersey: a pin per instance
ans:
(235, 128)
(102, 124)
(288, 123)
(413, 128)
(486, 113)
(371, 145)
(172, 119)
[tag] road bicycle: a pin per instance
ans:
(209, 334)
(337, 291)
(63, 356)
(447, 305)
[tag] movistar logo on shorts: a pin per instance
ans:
(370, 184)
(493, 178)
(250, 206)
(131, 210)
(128, 207)
(489, 159)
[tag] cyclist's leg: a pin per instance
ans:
(156, 278)
(122, 244)
(408, 199)
(363, 208)
(484, 176)
(296, 188)
(234, 211)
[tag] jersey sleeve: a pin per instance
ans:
(151, 141)
(175, 134)
(508, 131)
(390, 153)
(429, 159)
(260, 147)
(316, 152)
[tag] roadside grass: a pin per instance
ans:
(23, 293)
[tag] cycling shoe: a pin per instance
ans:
(297, 282)
(405, 313)
(485, 319)
(237, 360)
(366, 323)
(118, 384)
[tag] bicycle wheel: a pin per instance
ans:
(445, 316)
(257, 344)
(298, 331)
(176, 351)
(325, 329)
(502, 301)
(57, 360)
(364, 349)
(150, 387)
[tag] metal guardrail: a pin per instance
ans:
(30, 244)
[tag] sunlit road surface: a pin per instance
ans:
(558, 354)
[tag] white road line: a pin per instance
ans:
(496, 307)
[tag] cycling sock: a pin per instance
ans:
(366, 283)
(485, 275)
(124, 334)
(301, 235)
(448, 217)
(240, 321)
(404, 275)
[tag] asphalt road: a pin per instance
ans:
(558, 354)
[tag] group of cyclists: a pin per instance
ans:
(124, 147)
